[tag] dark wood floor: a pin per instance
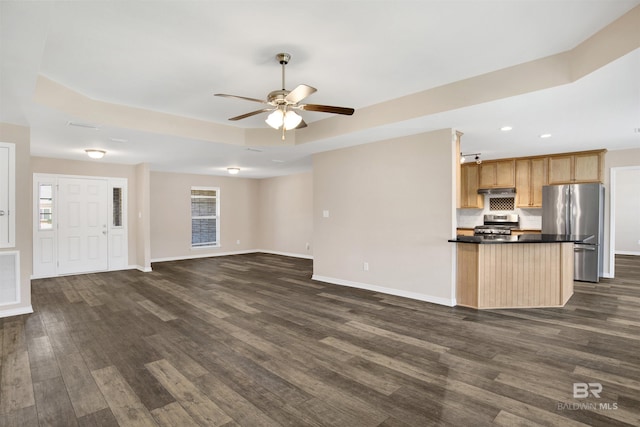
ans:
(250, 340)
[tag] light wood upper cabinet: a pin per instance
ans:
(469, 197)
(498, 173)
(531, 176)
(576, 167)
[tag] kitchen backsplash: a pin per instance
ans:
(530, 218)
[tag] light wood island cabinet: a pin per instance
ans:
(512, 275)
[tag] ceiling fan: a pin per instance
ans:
(282, 103)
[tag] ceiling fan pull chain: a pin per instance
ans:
(283, 130)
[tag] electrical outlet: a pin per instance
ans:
(325, 213)
(237, 242)
(365, 266)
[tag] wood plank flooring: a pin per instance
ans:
(250, 340)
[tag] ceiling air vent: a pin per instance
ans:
(82, 125)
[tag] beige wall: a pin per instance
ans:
(285, 220)
(143, 216)
(20, 136)
(171, 215)
(391, 204)
(100, 169)
(613, 160)
(627, 211)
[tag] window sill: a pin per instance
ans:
(196, 248)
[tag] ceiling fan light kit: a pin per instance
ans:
(282, 102)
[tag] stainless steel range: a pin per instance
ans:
(497, 225)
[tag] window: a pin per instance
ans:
(205, 211)
(117, 207)
(45, 207)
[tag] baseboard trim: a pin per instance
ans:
(384, 290)
(207, 255)
(289, 254)
(16, 311)
(636, 253)
(218, 254)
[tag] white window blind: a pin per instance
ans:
(205, 208)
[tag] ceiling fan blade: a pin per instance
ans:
(299, 93)
(328, 109)
(241, 97)
(253, 113)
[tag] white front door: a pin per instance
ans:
(82, 225)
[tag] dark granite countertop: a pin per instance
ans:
(525, 238)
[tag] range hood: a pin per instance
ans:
(507, 191)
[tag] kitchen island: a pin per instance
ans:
(515, 271)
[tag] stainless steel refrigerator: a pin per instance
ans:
(577, 209)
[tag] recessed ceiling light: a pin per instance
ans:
(506, 128)
(233, 171)
(277, 161)
(545, 135)
(119, 140)
(95, 153)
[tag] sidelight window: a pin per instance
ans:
(205, 213)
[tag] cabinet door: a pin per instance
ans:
(469, 197)
(560, 169)
(538, 173)
(587, 167)
(523, 183)
(487, 174)
(505, 173)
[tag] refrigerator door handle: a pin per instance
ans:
(577, 248)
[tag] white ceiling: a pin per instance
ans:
(172, 56)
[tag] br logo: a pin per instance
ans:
(583, 390)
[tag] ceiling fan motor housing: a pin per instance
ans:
(277, 97)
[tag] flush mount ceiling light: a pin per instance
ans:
(233, 171)
(545, 135)
(95, 153)
(506, 128)
(463, 157)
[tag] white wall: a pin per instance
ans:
(390, 204)
(614, 162)
(627, 211)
